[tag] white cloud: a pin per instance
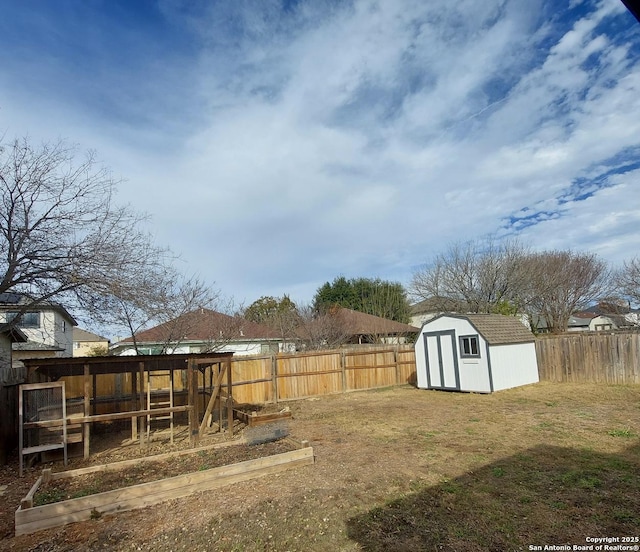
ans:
(359, 139)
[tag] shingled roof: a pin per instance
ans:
(360, 323)
(204, 324)
(498, 329)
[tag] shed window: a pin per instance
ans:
(469, 346)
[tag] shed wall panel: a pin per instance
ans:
(513, 365)
(474, 373)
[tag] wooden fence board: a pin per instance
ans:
(140, 496)
(268, 379)
(611, 358)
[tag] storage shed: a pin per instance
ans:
(481, 353)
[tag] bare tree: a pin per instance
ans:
(321, 330)
(61, 235)
(479, 276)
(562, 282)
(628, 281)
(157, 296)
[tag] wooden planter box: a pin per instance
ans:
(32, 519)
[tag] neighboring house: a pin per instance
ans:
(479, 353)
(360, 328)
(202, 331)
(430, 308)
(591, 322)
(87, 344)
(48, 327)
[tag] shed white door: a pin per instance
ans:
(442, 360)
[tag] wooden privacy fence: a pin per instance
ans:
(590, 358)
(273, 378)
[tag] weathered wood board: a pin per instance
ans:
(34, 519)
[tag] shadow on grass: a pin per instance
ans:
(543, 496)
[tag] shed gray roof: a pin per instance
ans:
(498, 329)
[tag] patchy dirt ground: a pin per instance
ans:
(404, 469)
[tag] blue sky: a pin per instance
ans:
(279, 144)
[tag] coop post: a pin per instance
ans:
(274, 378)
(86, 427)
(95, 394)
(212, 399)
(134, 397)
(141, 419)
(21, 432)
(227, 364)
(192, 394)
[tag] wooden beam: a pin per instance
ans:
(129, 414)
(35, 519)
(140, 418)
(86, 430)
(192, 383)
(134, 393)
(212, 399)
(115, 466)
(227, 364)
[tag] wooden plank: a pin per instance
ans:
(27, 501)
(87, 405)
(42, 448)
(131, 414)
(141, 420)
(267, 418)
(115, 466)
(212, 399)
(46, 385)
(148, 494)
(229, 400)
(192, 395)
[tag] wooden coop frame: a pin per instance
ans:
(142, 369)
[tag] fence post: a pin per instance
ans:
(343, 368)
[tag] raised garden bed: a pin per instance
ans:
(88, 493)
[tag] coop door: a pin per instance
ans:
(43, 419)
(442, 360)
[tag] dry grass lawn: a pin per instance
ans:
(407, 469)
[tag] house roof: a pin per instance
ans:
(84, 335)
(497, 329)
(204, 325)
(360, 323)
(15, 335)
(438, 304)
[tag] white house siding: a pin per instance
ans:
(54, 331)
(513, 365)
(239, 348)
